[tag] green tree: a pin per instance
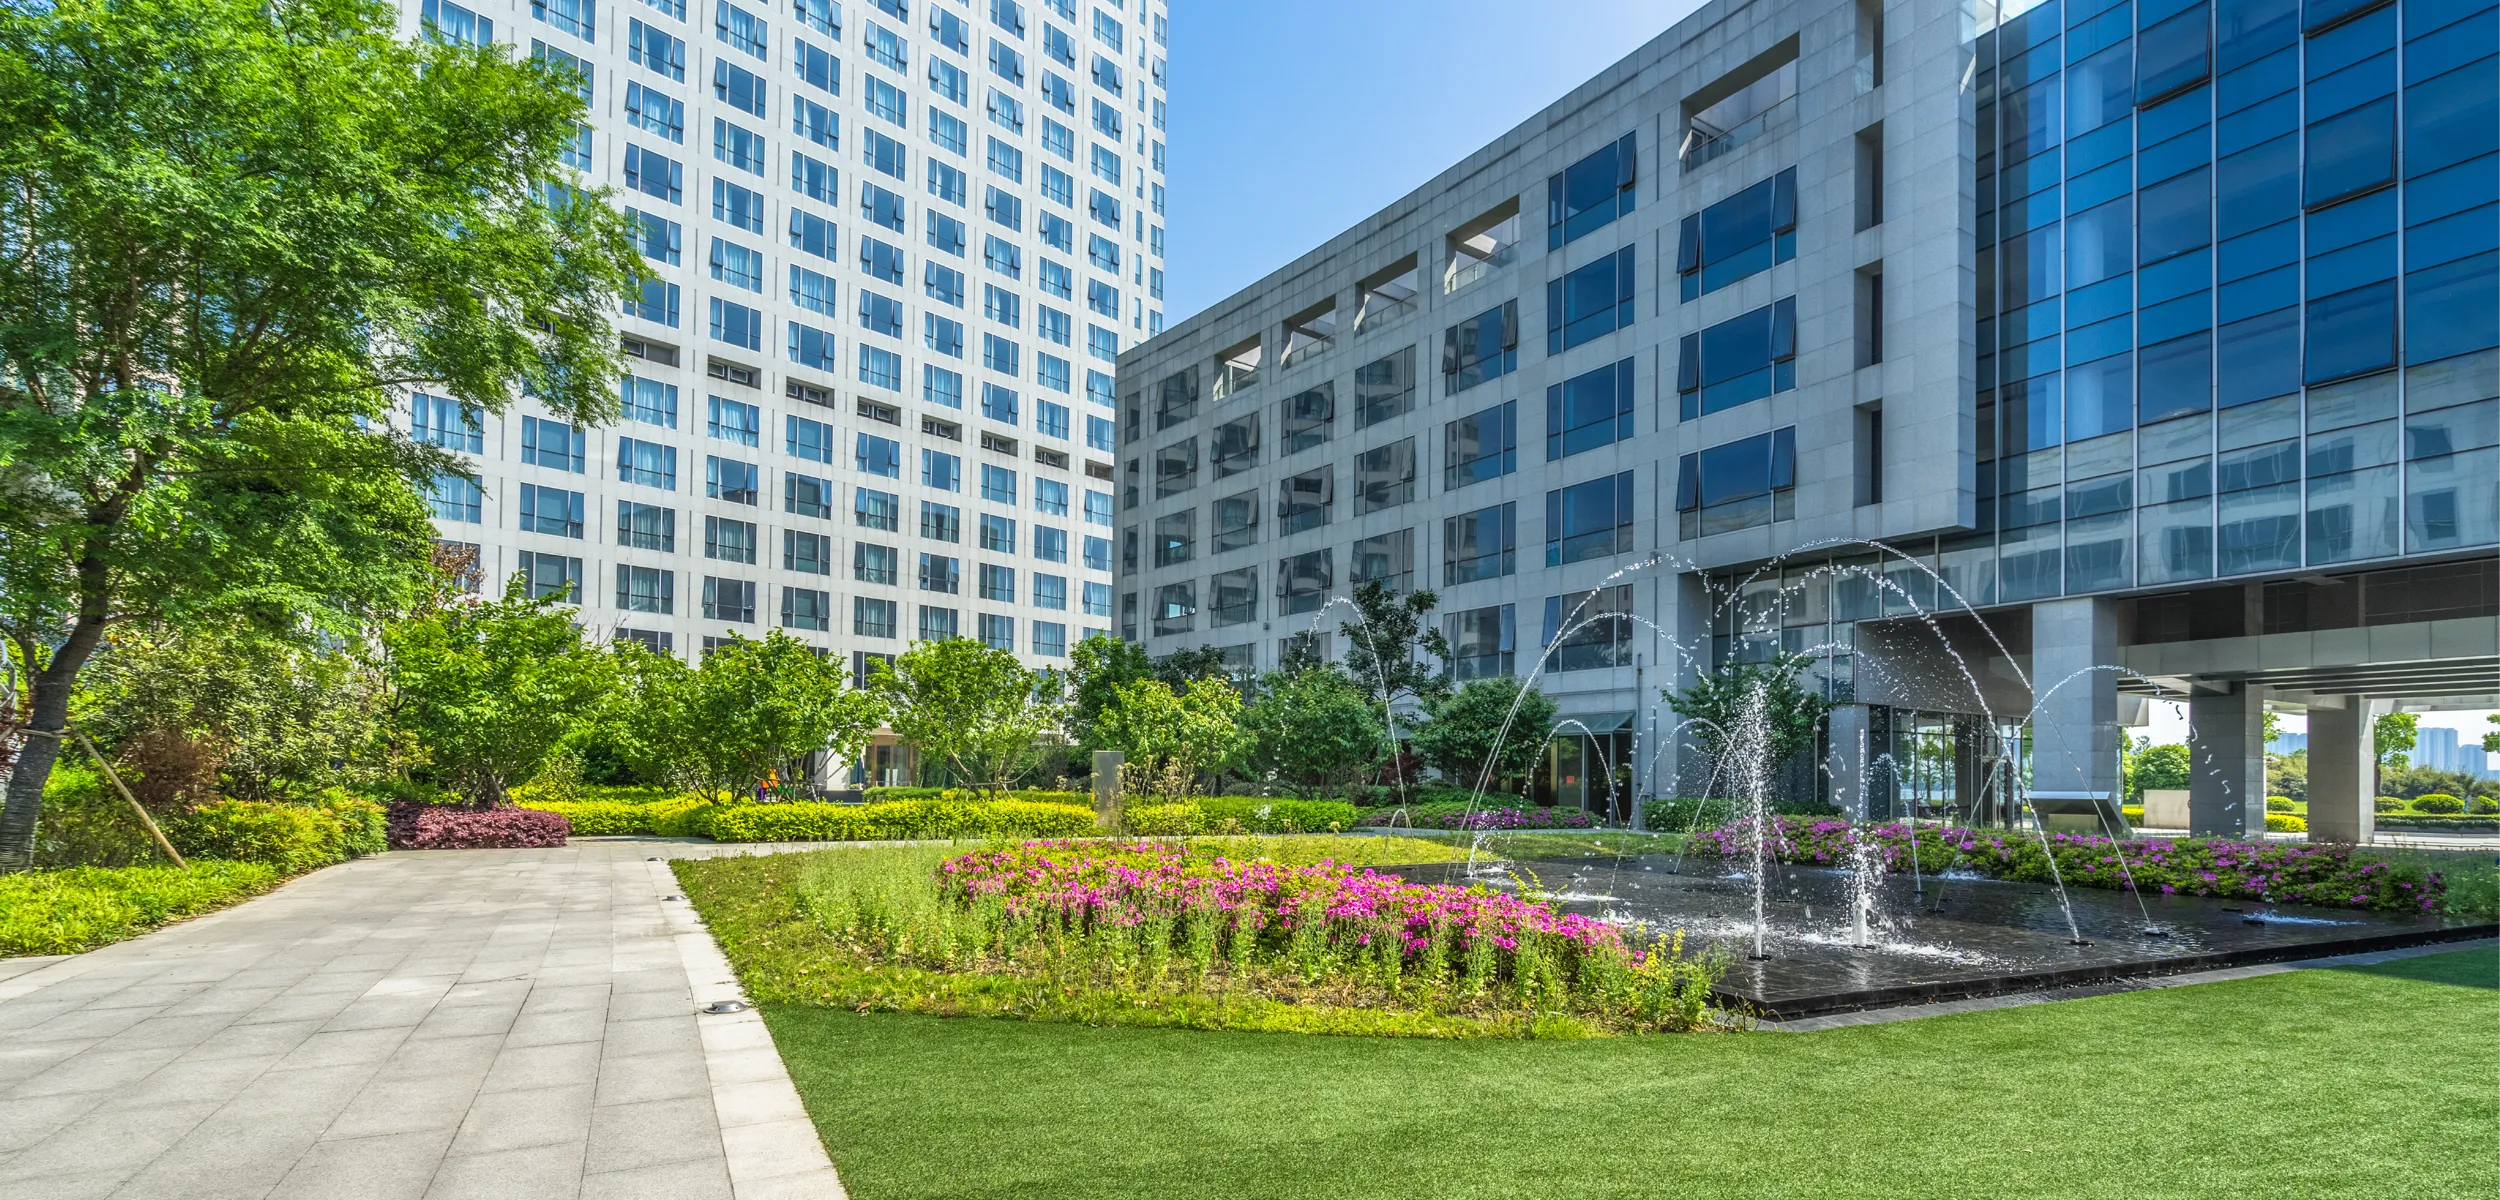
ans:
(1313, 730)
(265, 716)
(972, 708)
(1179, 736)
(1716, 701)
(750, 710)
(1459, 735)
(483, 692)
(2491, 740)
(239, 230)
(2393, 737)
(1101, 665)
(1390, 650)
(2167, 768)
(2287, 775)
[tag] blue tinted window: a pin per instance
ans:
(1588, 411)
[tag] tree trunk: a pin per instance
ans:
(33, 770)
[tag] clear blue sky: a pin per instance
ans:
(1293, 119)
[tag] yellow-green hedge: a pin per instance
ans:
(1241, 814)
(2285, 823)
(689, 816)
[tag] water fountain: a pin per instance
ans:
(1889, 943)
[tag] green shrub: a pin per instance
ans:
(2483, 806)
(2134, 813)
(2285, 823)
(2388, 804)
(85, 824)
(896, 820)
(1241, 814)
(880, 795)
(2438, 802)
(1678, 813)
(671, 815)
(293, 838)
(543, 790)
(364, 827)
(2279, 804)
(81, 908)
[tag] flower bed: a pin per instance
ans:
(419, 826)
(1461, 816)
(2283, 871)
(1200, 918)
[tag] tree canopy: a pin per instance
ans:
(2393, 737)
(483, 692)
(1465, 729)
(1716, 700)
(240, 232)
(1391, 652)
(974, 709)
(1313, 729)
(751, 710)
(1174, 738)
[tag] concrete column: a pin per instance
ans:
(1852, 759)
(2074, 710)
(2226, 763)
(2341, 752)
(1683, 769)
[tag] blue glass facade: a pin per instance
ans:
(2238, 291)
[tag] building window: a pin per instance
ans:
(1305, 419)
(646, 526)
(646, 463)
(1589, 520)
(1589, 630)
(940, 573)
(1388, 558)
(1050, 639)
(877, 510)
(646, 589)
(1176, 468)
(1483, 642)
(448, 423)
(1384, 389)
(1480, 446)
(728, 539)
(554, 575)
(1589, 410)
(1480, 545)
(941, 522)
(1384, 477)
(871, 617)
(730, 480)
(1737, 485)
(1232, 598)
(1480, 348)
(806, 608)
(1176, 608)
(998, 534)
(1589, 303)
(806, 553)
(552, 511)
(1175, 538)
(1305, 501)
(872, 563)
(456, 498)
(1739, 360)
(1743, 235)
(1050, 545)
(997, 583)
(806, 495)
(1591, 193)
(1236, 447)
(1302, 582)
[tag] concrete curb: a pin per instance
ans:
(772, 1145)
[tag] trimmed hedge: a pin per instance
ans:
(2285, 823)
(415, 826)
(2438, 803)
(294, 838)
(881, 795)
(893, 821)
(1241, 814)
(2418, 822)
(672, 817)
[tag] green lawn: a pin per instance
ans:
(2377, 1082)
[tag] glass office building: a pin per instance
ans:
(2112, 335)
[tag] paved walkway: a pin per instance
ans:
(475, 1023)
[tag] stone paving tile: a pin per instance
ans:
(449, 1024)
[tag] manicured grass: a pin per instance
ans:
(80, 908)
(2370, 1082)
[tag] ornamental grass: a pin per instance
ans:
(2284, 872)
(1191, 934)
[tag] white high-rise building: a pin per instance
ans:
(902, 244)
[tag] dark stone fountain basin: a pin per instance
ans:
(1958, 937)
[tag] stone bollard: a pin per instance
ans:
(1108, 813)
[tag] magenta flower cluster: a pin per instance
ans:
(1091, 884)
(2287, 872)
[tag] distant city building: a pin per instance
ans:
(868, 401)
(2288, 743)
